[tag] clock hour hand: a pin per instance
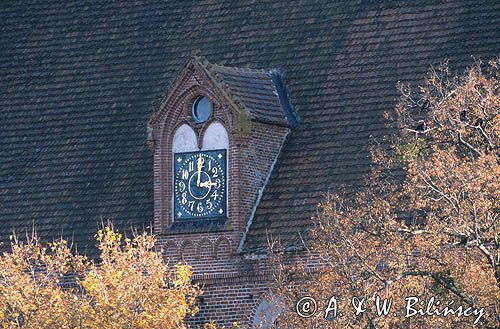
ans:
(200, 165)
(208, 184)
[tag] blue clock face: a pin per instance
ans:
(200, 185)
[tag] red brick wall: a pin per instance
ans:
(229, 300)
(232, 288)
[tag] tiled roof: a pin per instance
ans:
(260, 93)
(79, 80)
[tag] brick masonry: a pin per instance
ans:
(232, 285)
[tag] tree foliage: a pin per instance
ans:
(131, 287)
(427, 223)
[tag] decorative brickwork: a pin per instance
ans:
(232, 288)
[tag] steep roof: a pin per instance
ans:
(262, 93)
(78, 83)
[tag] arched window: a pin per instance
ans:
(184, 140)
(215, 137)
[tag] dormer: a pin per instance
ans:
(215, 138)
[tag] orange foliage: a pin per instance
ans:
(427, 223)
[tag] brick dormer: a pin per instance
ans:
(248, 118)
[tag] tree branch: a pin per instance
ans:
(449, 286)
(462, 141)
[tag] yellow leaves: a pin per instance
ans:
(182, 275)
(129, 288)
(210, 325)
(29, 285)
(213, 325)
(90, 283)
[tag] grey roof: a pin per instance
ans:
(262, 93)
(79, 80)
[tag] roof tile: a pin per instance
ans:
(78, 83)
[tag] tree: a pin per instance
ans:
(426, 226)
(131, 287)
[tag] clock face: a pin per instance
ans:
(200, 185)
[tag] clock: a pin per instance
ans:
(200, 185)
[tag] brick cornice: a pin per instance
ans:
(228, 277)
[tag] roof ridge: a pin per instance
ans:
(238, 69)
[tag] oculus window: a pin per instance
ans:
(202, 108)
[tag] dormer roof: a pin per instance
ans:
(261, 94)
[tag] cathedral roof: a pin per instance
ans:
(80, 80)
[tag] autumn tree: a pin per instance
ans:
(130, 287)
(425, 226)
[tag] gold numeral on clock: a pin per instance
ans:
(182, 187)
(210, 177)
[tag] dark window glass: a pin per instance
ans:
(201, 109)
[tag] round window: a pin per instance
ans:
(201, 109)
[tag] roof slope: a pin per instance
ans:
(260, 91)
(78, 82)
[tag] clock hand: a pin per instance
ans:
(207, 184)
(200, 165)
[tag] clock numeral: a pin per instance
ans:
(182, 186)
(215, 195)
(207, 169)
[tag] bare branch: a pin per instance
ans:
(448, 285)
(462, 141)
